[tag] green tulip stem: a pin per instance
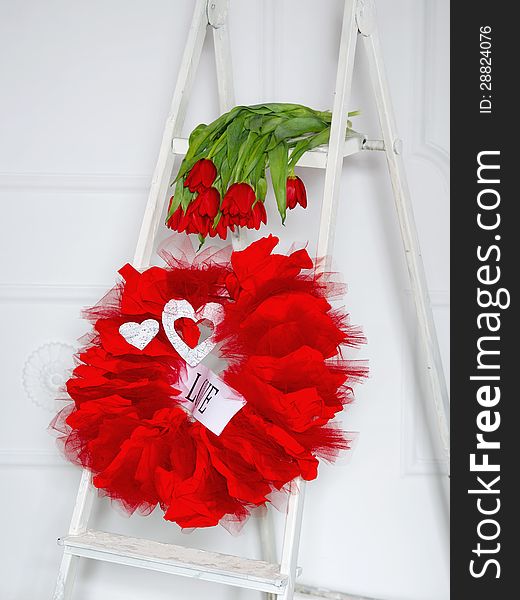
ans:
(218, 145)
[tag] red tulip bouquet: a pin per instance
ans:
(222, 184)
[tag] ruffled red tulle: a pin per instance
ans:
(281, 340)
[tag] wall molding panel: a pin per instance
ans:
(424, 119)
(32, 457)
(102, 183)
(40, 293)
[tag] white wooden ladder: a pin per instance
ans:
(270, 576)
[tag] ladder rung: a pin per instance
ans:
(316, 159)
(178, 560)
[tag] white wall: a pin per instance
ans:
(85, 89)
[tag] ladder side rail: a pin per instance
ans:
(223, 61)
(226, 88)
(291, 536)
(266, 530)
(338, 129)
(78, 524)
(173, 128)
(427, 330)
(267, 534)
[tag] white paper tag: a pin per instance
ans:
(208, 398)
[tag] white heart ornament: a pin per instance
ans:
(177, 309)
(139, 335)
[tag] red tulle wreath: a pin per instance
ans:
(281, 341)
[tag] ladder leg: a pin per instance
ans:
(291, 536)
(267, 537)
(217, 17)
(338, 129)
(268, 543)
(163, 169)
(407, 225)
(78, 524)
(66, 577)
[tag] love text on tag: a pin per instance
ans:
(211, 401)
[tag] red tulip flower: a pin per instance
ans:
(203, 210)
(202, 175)
(221, 228)
(207, 203)
(296, 193)
(237, 204)
(199, 215)
(177, 221)
(257, 216)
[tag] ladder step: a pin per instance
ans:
(178, 560)
(316, 158)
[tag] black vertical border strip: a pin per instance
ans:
(473, 132)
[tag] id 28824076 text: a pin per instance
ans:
(486, 84)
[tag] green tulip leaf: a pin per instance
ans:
(197, 133)
(177, 197)
(298, 126)
(257, 155)
(243, 155)
(186, 198)
(307, 144)
(235, 136)
(270, 124)
(225, 174)
(278, 164)
(254, 123)
(298, 151)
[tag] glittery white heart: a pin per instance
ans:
(139, 334)
(176, 309)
